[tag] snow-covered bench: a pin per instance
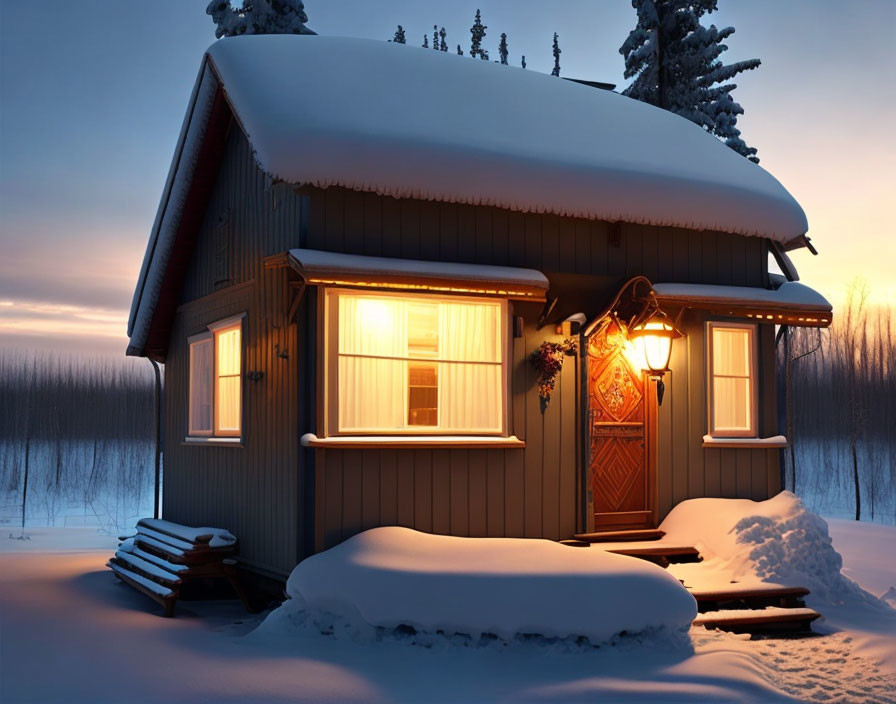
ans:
(161, 556)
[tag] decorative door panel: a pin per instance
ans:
(620, 416)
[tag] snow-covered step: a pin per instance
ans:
(196, 537)
(772, 619)
(163, 538)
(148, 569)
(158, 592)
(755, 597)
(131, 547)
(660, 554)
(166, 549)
(611, 536)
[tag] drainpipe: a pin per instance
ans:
(158, 428)
(584, 428)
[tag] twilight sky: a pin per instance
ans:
(93, 93)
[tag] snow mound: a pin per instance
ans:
(394, 577)
(776, 541)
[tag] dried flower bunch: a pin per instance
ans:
(548, 361)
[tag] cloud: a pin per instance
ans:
(27, 324)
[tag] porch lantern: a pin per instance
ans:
(653, 342)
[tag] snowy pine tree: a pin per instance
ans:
(258, 17)
(556, 71)
(435, 37)
(426, 41)
(399, 37)
(502, 49)
(478, 34)
(443, 45)
(675, 62)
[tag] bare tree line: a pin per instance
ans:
(841, 410)
(74, 430)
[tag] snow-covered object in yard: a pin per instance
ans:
(392, 576)
(490, 135)
(747, 542)
(220, 538)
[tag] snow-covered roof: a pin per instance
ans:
(402, 121)
(319, 267)
(791, 294)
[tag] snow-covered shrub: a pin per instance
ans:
(393, 577)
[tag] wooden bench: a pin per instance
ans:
(162, 556)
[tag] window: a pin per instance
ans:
(732, 380)
(415, 364)
(215, 408)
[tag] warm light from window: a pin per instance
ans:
(732, 385)
(413, 363)
(228, 376)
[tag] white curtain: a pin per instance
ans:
(470, 394)
(732, 385)
(201, 386)
(372, 390)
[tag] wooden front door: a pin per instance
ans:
(622, 421)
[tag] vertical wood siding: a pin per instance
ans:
(255, 490)
(258, 491)
(532, 492)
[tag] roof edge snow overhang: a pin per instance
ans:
(320, 268)
(792, 303)
(181, 209)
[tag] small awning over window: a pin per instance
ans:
(792, 303)
(355, 271)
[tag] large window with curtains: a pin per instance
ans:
(215, 402)
(732, 379)
(400, 364)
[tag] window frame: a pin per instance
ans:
(210, 334)
(753, 329)
(329, 352)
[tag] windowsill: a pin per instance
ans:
(772, 443)
(217, 442)
(411, 442)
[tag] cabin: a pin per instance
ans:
(399, 287)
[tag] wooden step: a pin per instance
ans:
(751, 598)
(620, 536)
(769, 620)
(661, 555)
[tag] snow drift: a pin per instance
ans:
(776, 541)
(391, 576)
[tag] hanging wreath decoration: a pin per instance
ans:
(548, 362)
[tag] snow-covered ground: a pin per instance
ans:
(69, 632)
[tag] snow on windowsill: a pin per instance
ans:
(775, 442)
(223, 442)
(412, 441)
